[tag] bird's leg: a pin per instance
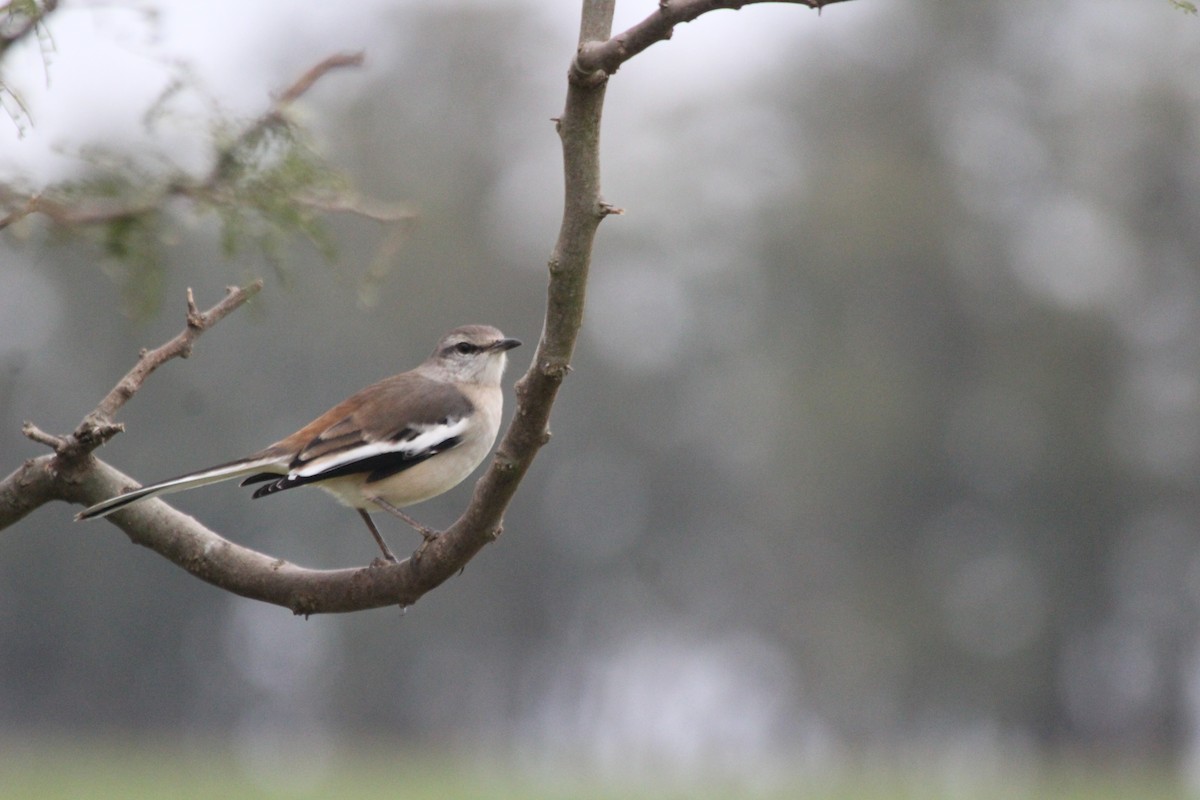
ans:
(428, 534)
(375, 532)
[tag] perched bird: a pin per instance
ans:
(402, 440)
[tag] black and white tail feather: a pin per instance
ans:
(192, 480)
(375, 461)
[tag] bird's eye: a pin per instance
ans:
(464, 347)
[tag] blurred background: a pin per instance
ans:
(880, 453)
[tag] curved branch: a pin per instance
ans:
(583, 210)
(246, 572)
(73, 475)
(305, 591)
(212, 558)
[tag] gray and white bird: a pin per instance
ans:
(397, 442)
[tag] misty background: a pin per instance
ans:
(883, 432)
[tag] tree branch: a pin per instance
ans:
(73, 475)
(315, 73)
(606, 56)
(31, 485)
(251, 574)
(583, 209)
(99, 426)
(58, 477)
(179, 347)
(246, 572)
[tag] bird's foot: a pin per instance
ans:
(427, 534)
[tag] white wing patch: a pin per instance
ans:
(429, 437)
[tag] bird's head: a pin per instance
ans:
(471, 354)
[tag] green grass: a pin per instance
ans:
(112, 768)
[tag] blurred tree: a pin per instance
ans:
(943, 485)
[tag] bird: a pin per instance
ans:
(397, 442)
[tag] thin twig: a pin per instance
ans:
(179, 347)
(36, 434)
(597, 59)
(276, 114)
(98, 426)
(356, 204)
(315, 73)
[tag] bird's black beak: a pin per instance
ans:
(505, 344)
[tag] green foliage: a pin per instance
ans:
(118, 207)
(1184, 5)
(267, 186)
(133, 246)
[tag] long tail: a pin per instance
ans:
(221, 472)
